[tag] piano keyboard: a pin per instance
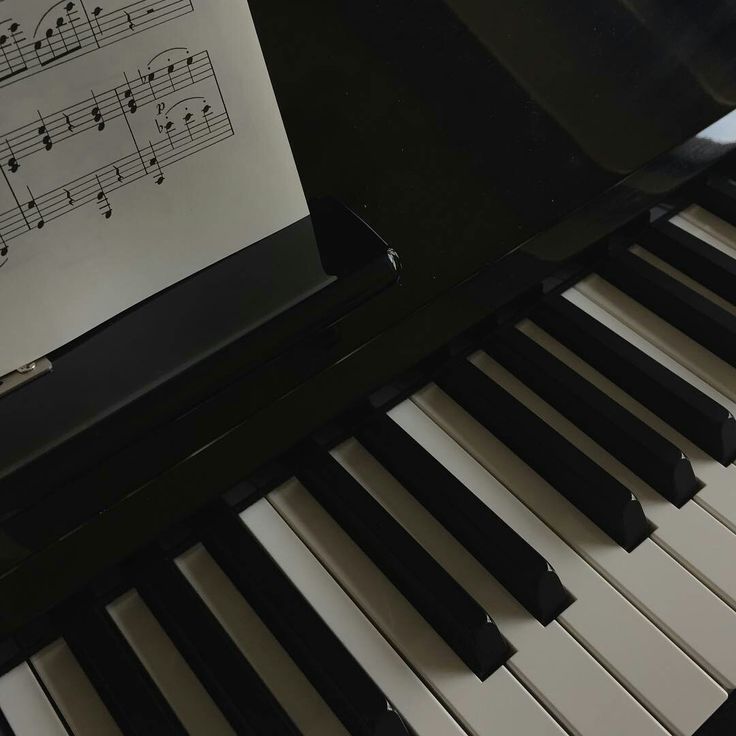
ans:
(541, 541)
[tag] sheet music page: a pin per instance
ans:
(140, 141)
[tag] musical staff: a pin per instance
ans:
(97, 186)
(101, 109)
(68, 30)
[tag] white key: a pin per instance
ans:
(498, 705)
(25, 705)
(709, 228)
(419, 708)
(683, 278)
(71, 691)
(660, 333)
(185, 694)
(718, 495)
(274, 666)
(631, 647)
(698, 541)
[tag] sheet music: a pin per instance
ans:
(139, 143)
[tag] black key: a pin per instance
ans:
(342, 682)
(586, 485)
(121, 681)
(634, 443)
(219, 665)
(689, 254)
(718, 196)
(5, 729)
(464, 625)
(723, 721)
(696, 416)
(698, 317)
(508, 557)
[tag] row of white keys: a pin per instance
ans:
(679, 603)
(419, 708)
(36, 697)
(694, 537)
(629, 645)
(719, 481)
(500, 704)
(306, 708)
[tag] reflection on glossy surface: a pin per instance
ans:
(460, 128)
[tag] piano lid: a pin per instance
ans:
(459, 129)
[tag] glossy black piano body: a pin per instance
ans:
(494, 147)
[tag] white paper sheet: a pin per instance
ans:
(140, 141)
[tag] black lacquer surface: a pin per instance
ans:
(461, 131)
(461, 128)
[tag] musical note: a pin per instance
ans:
(48, 144)
(132, 104)
(3, 251)
(33, 205)
(97, 115)
(153, 161)
(13, 163)
(188, 122)
(97, 185)
(96, 16)
(74, 31)
(168, 128)
(57, 30)
(8, 53)
(206, 110)
(103, 201)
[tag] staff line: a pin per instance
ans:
(34, 65)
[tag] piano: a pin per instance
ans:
(452, 456)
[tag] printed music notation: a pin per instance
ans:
(101, 109)
(185, 122)
(140, 142)
(73, 28)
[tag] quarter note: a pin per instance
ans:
(97, 115)
(187, 121)
(206, 110)
(32, 205)
(102, 201)
(43, 131)
(13, 163)
(153, 161)
(131, 103)
(96, 16)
